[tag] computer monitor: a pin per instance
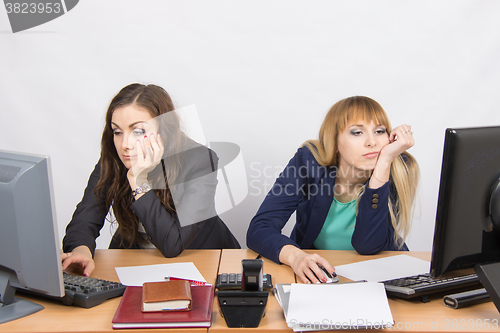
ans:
(29, 252)
(469, 201)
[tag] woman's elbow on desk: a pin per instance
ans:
(365, 248)
(171, 252)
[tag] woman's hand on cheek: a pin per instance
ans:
(400, 140)
(149, 155)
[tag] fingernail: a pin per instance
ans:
(145, 136)
(308, 282)
(323, 279)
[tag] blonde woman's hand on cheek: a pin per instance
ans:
(400, 140)
(80, 255)
(149, 155)
(304, 265)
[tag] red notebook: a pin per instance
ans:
(129, 313)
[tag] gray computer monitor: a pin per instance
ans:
(29, 251)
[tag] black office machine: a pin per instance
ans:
(245, 307)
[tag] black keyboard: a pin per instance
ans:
(87, 292)
(83, 291)
(420, 285)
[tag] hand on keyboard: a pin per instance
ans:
(80, 255)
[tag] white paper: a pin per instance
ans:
(342, 306)
(282, 295)
(378, 270)
(137, 275)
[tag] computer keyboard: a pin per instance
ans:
(424, 284)
(83, 291)
(87, 292)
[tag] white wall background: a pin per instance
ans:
(261, 73)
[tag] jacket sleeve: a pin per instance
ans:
(373, 232)
(88, 218)
(264, 232)
(194, 203)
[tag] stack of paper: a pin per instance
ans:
(282, 294)
(335, 306)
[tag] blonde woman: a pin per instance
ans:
(352, 189)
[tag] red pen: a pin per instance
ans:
(193, 282)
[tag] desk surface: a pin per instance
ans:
(57, 317)
(409, 316)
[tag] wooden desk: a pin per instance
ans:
(57, 317)
(409, 316)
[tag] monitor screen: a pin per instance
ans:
(29, 251)
(464, 232)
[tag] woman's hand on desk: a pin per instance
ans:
(305, 265)
(80, 255)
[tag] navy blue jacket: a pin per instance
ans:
(307, 188)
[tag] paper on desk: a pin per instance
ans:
(282, 294)
(338, 306)
(383, 269)
(137, 275)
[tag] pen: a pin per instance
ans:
(337, 283)
(193, 282)
(359, 281)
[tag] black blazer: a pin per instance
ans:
(201, 227)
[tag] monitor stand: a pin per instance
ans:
(489, 274)
(11, 307)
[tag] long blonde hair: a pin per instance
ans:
(405, 172)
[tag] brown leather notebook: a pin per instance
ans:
(166, 296)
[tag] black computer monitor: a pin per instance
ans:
(467, 230)
(29, 251)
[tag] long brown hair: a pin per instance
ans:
(405, 172)
(113, 186)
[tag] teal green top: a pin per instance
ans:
(339, 224)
